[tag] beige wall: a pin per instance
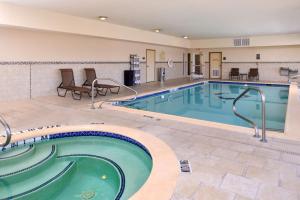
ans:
(41, 79)
(272, 58)
(255, 41)
(41, 19)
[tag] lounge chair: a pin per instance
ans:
(234, 73)
(253, 74)
(101, 88)
(68, 84)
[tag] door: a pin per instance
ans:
(215, 65)
(197, 69)
(189, 63)
(150, 65)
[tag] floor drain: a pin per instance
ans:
(185, 166)
(87, 195)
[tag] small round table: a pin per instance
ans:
(243, 76)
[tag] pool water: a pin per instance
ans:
(74, 168)
(213, 102)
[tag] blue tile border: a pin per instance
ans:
(76, 134)
(120, 171)
(101, 134)
(250, 83)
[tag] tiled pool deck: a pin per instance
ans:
(225, 164)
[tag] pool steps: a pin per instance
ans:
(19, 167)
(22, 183)
(23, 155)
(27, 189)
(15, 153)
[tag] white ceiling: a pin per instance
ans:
(196, 18)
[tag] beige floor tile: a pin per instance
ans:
(251, 160)
(290, 182)
(262, 152)
(208, 175)
(240, 185)
(290, 158)
(225, 153)
(239, 197)
(230, 166)
(270, 177)
(212, 193)
(185, 190)
(267, 192)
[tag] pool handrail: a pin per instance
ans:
(7, 132)
(110, 100)
(263, 112)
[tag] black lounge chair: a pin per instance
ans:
(253, 74)
(234, 73)
(68, 84)
(101, 88)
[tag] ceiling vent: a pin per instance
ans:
(240, 42)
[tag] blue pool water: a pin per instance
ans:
(213, 102)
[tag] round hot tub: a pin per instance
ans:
(86, 162)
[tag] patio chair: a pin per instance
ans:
(68, 84)
(253, 74)
(101, 88)
(234, 73)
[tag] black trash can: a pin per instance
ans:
(129, 77)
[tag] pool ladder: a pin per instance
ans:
(263, 113)
(110, 100)
(7, 132)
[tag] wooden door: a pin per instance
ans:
(215, 65)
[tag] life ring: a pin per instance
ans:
(170, 63)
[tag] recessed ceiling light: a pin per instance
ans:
(103, 18)
(157, 30)
(186, 37)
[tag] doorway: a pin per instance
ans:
(215, 65)
(150, 65)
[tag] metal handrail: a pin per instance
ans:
(7, 131)
(110, 100)
(293, 77)
(263, 113)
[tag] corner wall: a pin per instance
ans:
(272, 58)
(29, 60)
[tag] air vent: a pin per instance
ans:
(239, 42)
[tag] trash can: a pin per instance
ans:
(161, 74)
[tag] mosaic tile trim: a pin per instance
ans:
(248, 83)
(69, 166)
(30, 148)
(74, 134)
(120, 171)
(102, 134)
(60, 62)
(53, 151)
(72, 62)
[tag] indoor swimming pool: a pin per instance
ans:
(212, 101)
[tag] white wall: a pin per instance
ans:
(49, 48)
